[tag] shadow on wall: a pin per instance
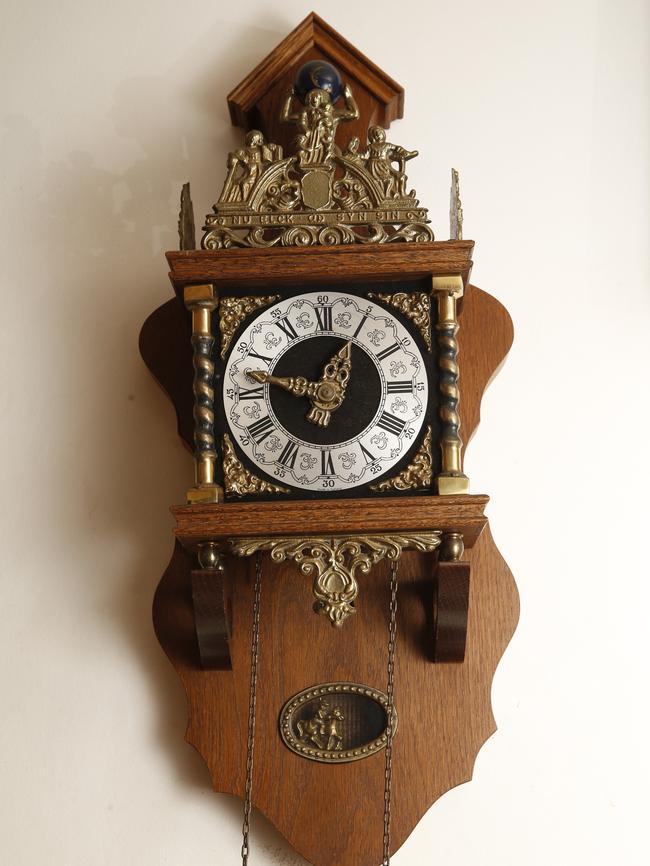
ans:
(114, 448)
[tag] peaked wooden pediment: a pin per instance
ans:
(255, 102)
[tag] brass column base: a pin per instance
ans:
(205, 493)
(452, 485)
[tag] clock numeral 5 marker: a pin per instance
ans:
(388, 351)
(264, 358)
(400, 387)
(251, 393)
(327, 466)
(390, 423)
(289, 454)
(261, 429)
(285, 325)
(324, 317)
(360, 325)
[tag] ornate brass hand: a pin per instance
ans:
(297, 385)
(326, 395)
(331, 387)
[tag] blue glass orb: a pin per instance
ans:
(318, 74)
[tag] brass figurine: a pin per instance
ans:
(379, 157)
(246, 164)
(317, 121)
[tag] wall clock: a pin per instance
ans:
(335, 605)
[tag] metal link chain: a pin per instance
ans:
(252, 701)
(388, 773)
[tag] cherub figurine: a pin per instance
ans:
(380, 156)
(246, 164)
(317, 122)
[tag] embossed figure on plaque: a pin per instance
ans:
(323, 729)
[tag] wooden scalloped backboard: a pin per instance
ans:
(333, 814)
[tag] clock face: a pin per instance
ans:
(325, 391)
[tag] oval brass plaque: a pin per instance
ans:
(336, 722)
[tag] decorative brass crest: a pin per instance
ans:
(336, 723)
(417, 474)
(239, 481)
(415, 306)
(321, 195)
(233, 311)
(334, 561)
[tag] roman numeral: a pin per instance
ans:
(266, 360)
(285, 325)
(327, 467)
(261, 429)
(400, 387)
(367, 456)
(391, 424)
(251, 393)
(324, 317)
(388, 351)
(361, 324)
(289, 454)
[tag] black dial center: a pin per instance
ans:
(362, 396)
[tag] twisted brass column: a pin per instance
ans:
(202, 301)
(447, 290)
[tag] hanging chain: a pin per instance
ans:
(390, 707)
(252, 701)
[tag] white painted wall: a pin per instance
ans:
(106, 108)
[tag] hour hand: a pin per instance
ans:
(330, 389)
(297, 385)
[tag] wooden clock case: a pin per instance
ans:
(452, 629)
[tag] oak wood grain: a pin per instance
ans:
(444, 710)
(196, 523)
(251, 268)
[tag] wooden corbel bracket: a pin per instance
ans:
(370, 531)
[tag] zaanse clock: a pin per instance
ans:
(335, 605)
(325, 392)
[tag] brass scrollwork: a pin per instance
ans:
(416, 306)
(233, 311)
(418, 474)
(333, 561)
(238, 480)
